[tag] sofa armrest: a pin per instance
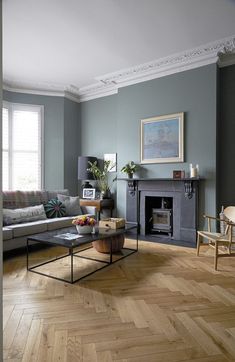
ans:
(91, 210)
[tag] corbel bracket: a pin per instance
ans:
(188, 189)
(132, 187)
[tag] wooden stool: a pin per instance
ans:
(103, 245)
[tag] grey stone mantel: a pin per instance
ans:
(184, 193)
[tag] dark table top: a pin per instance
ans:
(57, 237)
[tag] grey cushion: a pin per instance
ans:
(60, 222)
(15, 243)
(28, 228)
(71, 203)
(25, 214)
(223, 225)
(7, 233)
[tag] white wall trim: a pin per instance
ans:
(19, 87)
(221, 52)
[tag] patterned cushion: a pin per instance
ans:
(20, 199)
(54, 208)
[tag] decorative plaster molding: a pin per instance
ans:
(39, 86)
(226, 56)
(96, 91)
(45, 89)
(221, 51)
(205, 54)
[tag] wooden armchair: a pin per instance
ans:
(219, 239)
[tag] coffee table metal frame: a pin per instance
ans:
(50, 239)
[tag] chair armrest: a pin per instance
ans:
(211, 217)
(218, 219)
(229, 224)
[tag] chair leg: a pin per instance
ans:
(198, 243)
(216, 254)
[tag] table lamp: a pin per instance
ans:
(83, 174)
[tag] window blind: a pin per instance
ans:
(22, 147)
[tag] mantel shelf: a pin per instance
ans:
(161, 179)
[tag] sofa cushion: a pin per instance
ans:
(54, 208)
(223, 225)
(29, 228)
(58, 223)
(20, 199)
(26, 214)
(7, 233)
(53, 194)
(71, 203)
(15, 243)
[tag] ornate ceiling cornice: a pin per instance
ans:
(221, 51)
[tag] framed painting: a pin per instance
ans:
(112, 157)
(162, 139)
(88, 193)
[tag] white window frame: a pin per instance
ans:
(25, 107)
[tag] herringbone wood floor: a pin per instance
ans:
(160, 304)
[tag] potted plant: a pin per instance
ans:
(84, 224)
(130, 168)
(101, 176)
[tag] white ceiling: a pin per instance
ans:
(56, 44)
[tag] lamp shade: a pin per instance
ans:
(83, 165)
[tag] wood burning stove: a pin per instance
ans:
(162, 218)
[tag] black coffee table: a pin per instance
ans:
(61, 238)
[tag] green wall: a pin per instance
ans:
(1, 243)
(192, 92)
(99, 129)
(112, 124)
(72, 144)
(61, 138)
(99, 126)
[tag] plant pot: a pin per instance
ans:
(130, 175)
(105, 194)
(86, 229)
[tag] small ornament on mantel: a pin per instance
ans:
(193, 171)
(178, 174)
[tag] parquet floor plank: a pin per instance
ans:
(31, 350)
(162, 304)
(17, 347)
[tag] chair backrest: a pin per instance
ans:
(229, 212)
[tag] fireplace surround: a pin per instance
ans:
(183, 194)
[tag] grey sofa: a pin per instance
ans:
(15, 235)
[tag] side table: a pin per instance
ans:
(100, 205)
